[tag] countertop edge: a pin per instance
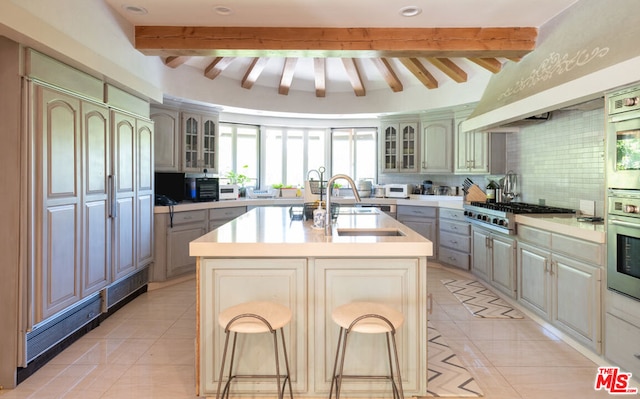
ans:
(582, 230)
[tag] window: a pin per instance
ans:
(289, 153)
(239, 151)
(354, 153)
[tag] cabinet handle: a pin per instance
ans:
(188, 218)
(453, 241)
(551, 270)
(111, 197)
(430, 303)
(636, 355)
(546, 266)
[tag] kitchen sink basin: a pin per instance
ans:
(357, 211)
(370, 232)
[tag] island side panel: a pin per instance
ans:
(227, 282)
(399, 283)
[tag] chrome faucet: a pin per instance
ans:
(327, 220)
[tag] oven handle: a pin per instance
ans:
(625, 224)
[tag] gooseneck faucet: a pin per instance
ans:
(327, 220)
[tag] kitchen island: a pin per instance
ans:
(265, 255)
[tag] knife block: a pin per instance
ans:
(475, 193)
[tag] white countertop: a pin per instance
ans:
(567, 225)
(269, 232)
(414, 200)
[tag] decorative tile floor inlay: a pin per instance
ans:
(447, 377)
(480, 301)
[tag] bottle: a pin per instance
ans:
(319, 217)
(491, 191)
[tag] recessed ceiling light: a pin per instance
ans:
(410, 11)
(134, 9)
(223, 10)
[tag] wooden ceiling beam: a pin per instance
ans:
(449, 68)
(319, 66)
(354, 76)
(419, 71)
(175, 61)
(334, 42)
(388, 74)
(253, 72)
(287, 75)
(490, 64)
(218, 65)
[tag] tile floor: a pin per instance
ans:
(146, 350)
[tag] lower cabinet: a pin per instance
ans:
(559, 286)
(454, 241)
(220, 216)
(423, 220)
(494, 259)
(622, 332)
(173, 233)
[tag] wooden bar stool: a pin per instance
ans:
(367, 318)
(251, 318)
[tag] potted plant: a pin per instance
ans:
(238, 179)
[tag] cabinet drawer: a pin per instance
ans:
(417, 211)
(189, 217)
(226, 213)
(455, 214)
(454, 258)
(534, 236)
(622, 344)
(588, 251)
(455, 227)
(455, 241)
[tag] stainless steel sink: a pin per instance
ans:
(370, 232)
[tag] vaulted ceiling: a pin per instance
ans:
(335, 45)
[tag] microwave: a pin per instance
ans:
(395, 190)
(201, 189)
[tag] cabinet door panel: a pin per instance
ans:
(480, 254)
(503, 272)
(533, 273)
(437, 151)
(96, 239)
(179, 260)
(124, 238)
(61, 260)
(145, 229)
(96, 247)
(145, 155)
(577, 298)
(124, 137)
(166, 140)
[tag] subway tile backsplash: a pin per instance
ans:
(561, 161)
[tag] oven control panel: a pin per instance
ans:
(624, 203)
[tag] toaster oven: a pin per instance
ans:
(396, 190)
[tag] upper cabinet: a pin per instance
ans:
(399, 147)
(479, 152)
(437, 146)
(186, 140)
(167, 139)
(199, 138)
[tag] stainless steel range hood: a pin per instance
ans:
(581, 54)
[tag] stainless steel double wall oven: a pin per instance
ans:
(623, 180)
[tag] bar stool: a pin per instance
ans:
(251, 318)
(367, 318)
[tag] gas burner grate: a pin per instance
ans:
(520, 207)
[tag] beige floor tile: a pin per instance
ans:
(505, 329)
(152, 381)
(552, 382)
(493, 384)
(172, 351)
(532, 353)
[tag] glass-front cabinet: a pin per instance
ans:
(199, 142)
(400, 147)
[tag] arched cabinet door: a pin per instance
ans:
(57, 261)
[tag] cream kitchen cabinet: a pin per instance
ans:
(167, 139)
(423, 220)
(454, 241)
(494, 259)
(399, 143)
(559, 277)
(199, 142)
(437, 146)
